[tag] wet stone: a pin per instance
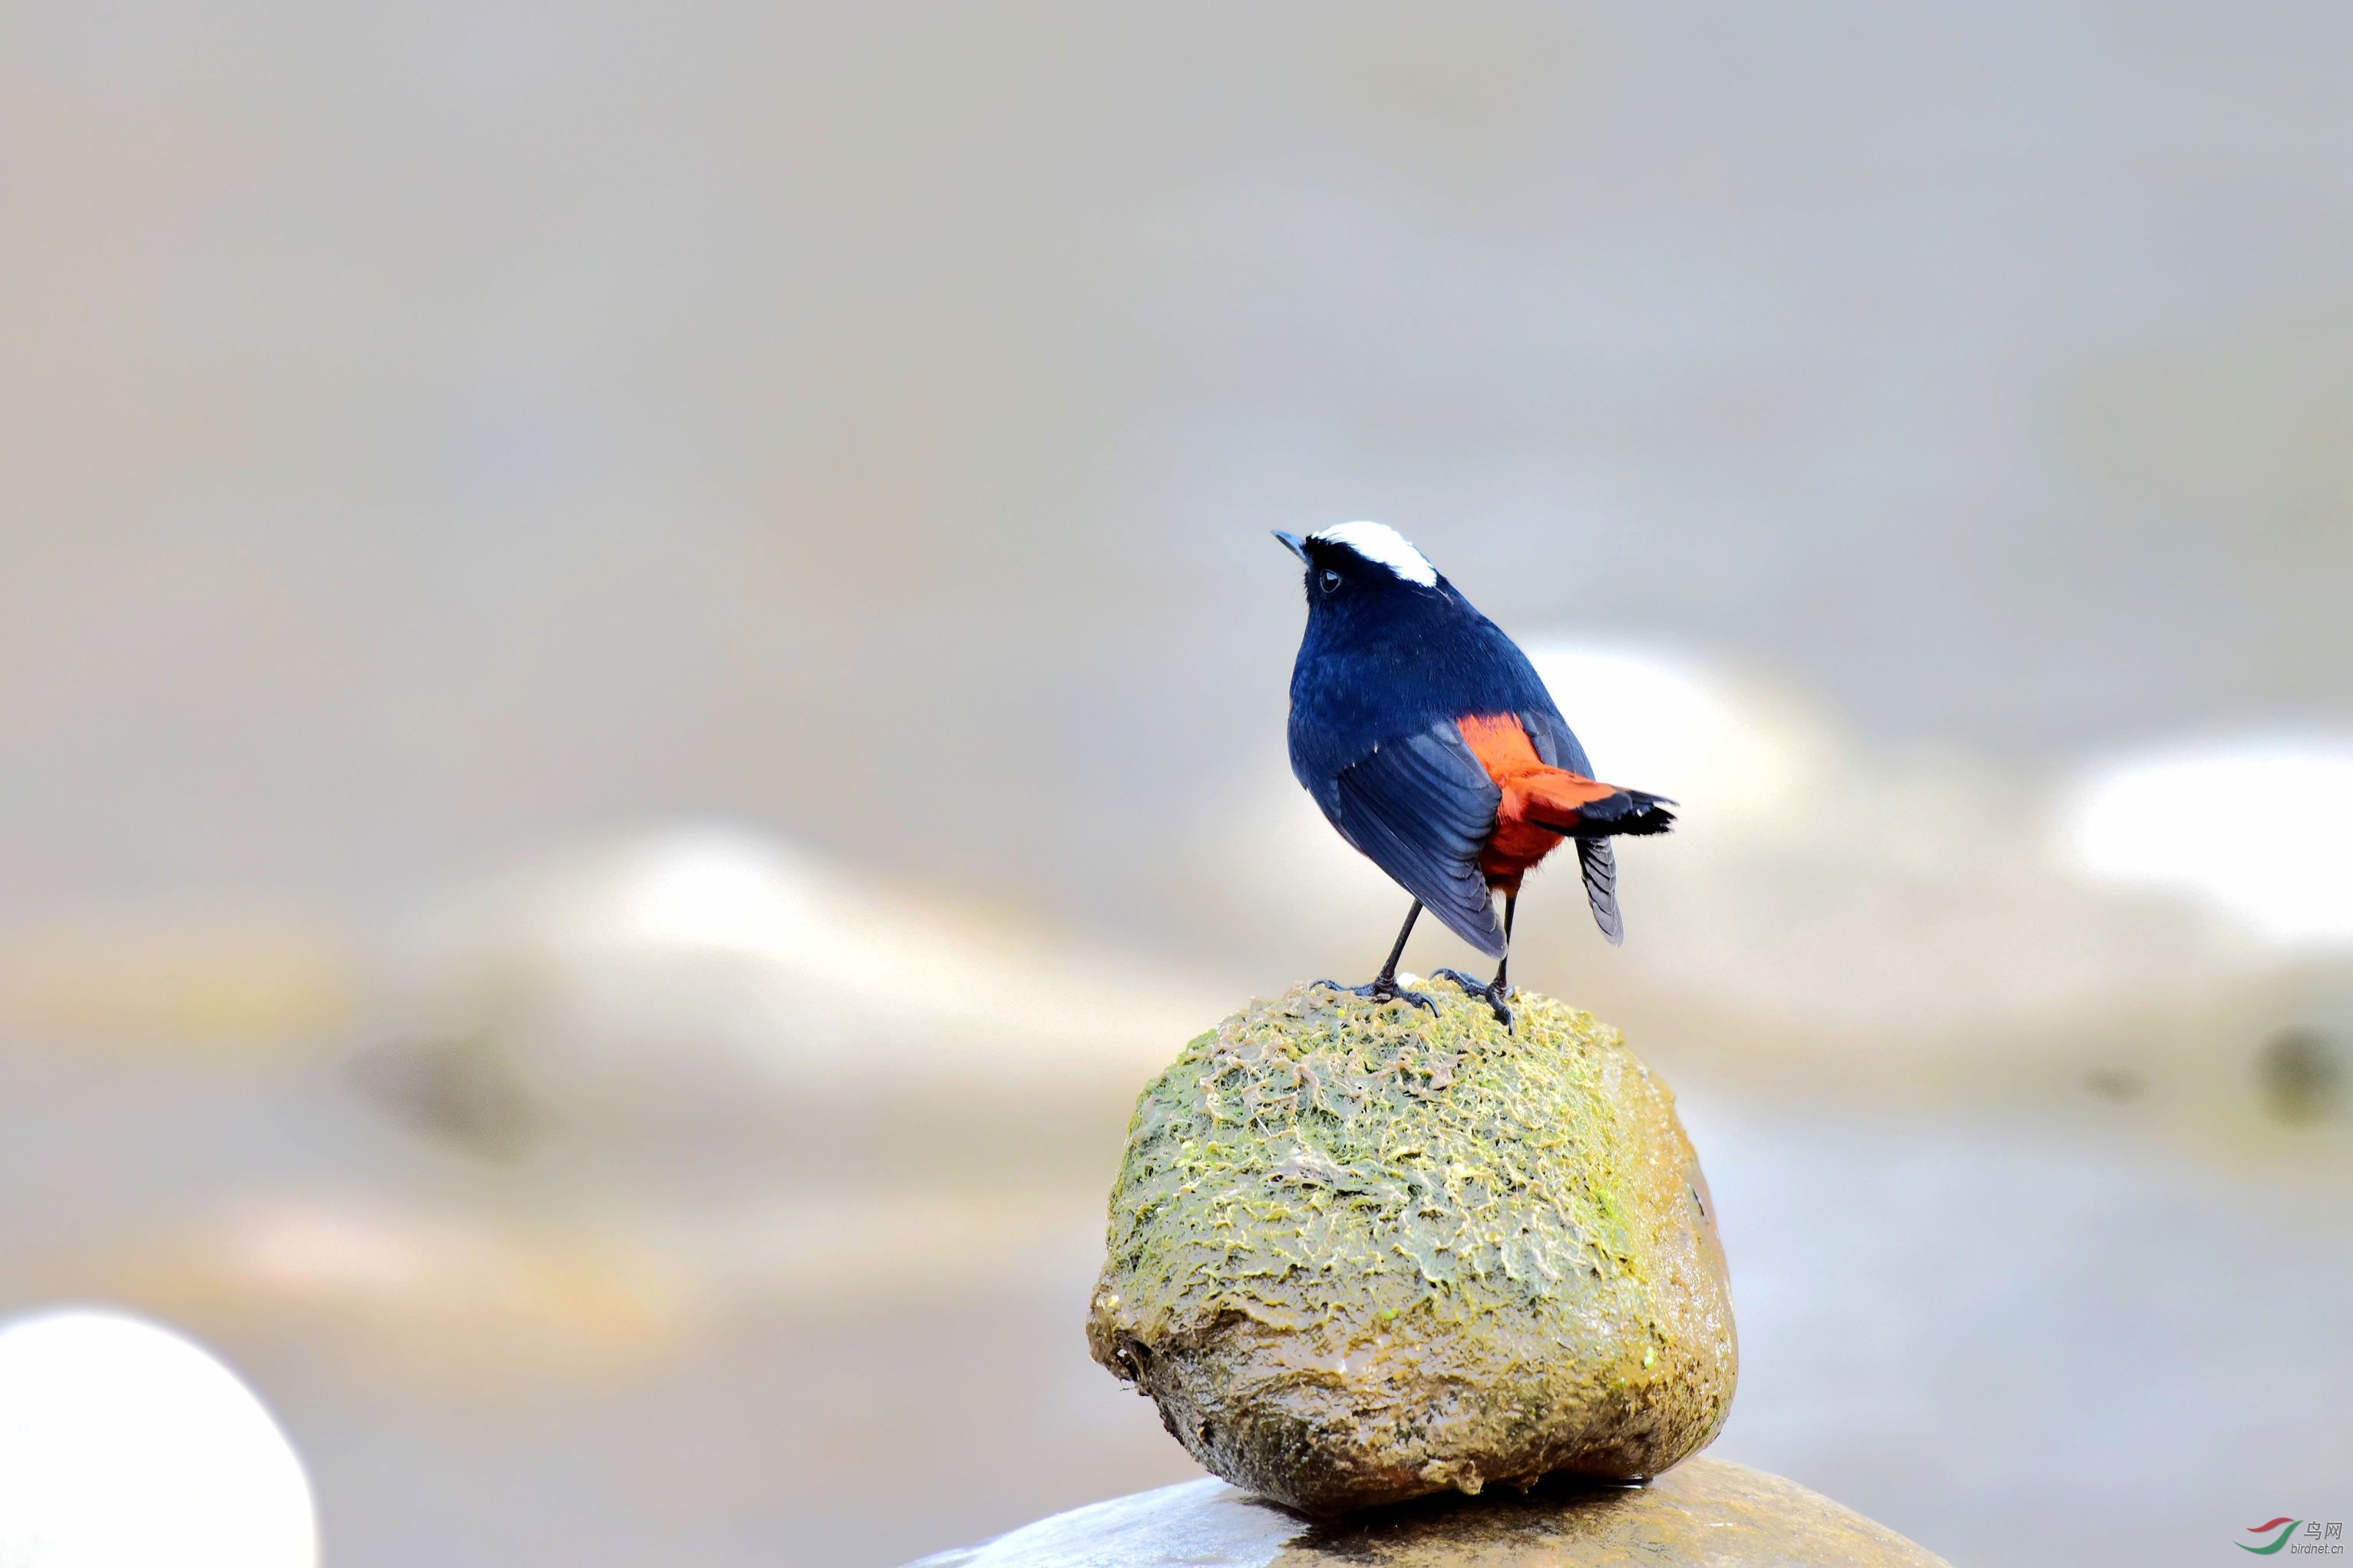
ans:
(1706, 1513)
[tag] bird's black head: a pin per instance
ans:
(1352, 568)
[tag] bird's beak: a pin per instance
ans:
(1293, 543)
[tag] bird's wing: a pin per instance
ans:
(1421, 807)
(1556, 744)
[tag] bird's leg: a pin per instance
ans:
(1497, 992)
(1384, 985)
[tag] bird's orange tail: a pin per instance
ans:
(1580, 807)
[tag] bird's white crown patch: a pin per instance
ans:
(1379, 541)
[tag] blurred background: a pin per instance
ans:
(642, 679)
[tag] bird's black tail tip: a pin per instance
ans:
(1629, 812)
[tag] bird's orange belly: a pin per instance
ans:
(1517, 845)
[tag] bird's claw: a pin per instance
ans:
(1492, 992)
(1384, 991)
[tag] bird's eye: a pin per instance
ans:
(1331, 581)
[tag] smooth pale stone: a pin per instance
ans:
(1706, 1513)
(1358, 1253)
(124, 1445)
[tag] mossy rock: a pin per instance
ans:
(1358, 1253)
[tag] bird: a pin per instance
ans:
(1433, 747)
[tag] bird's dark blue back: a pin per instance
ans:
(1384, 657)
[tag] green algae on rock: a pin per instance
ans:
(1358, 1254)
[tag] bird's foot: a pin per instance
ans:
(1494, 993)
(1385, 989)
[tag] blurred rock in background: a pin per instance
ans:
(122, 1442)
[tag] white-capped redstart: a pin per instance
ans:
(1432, 746)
